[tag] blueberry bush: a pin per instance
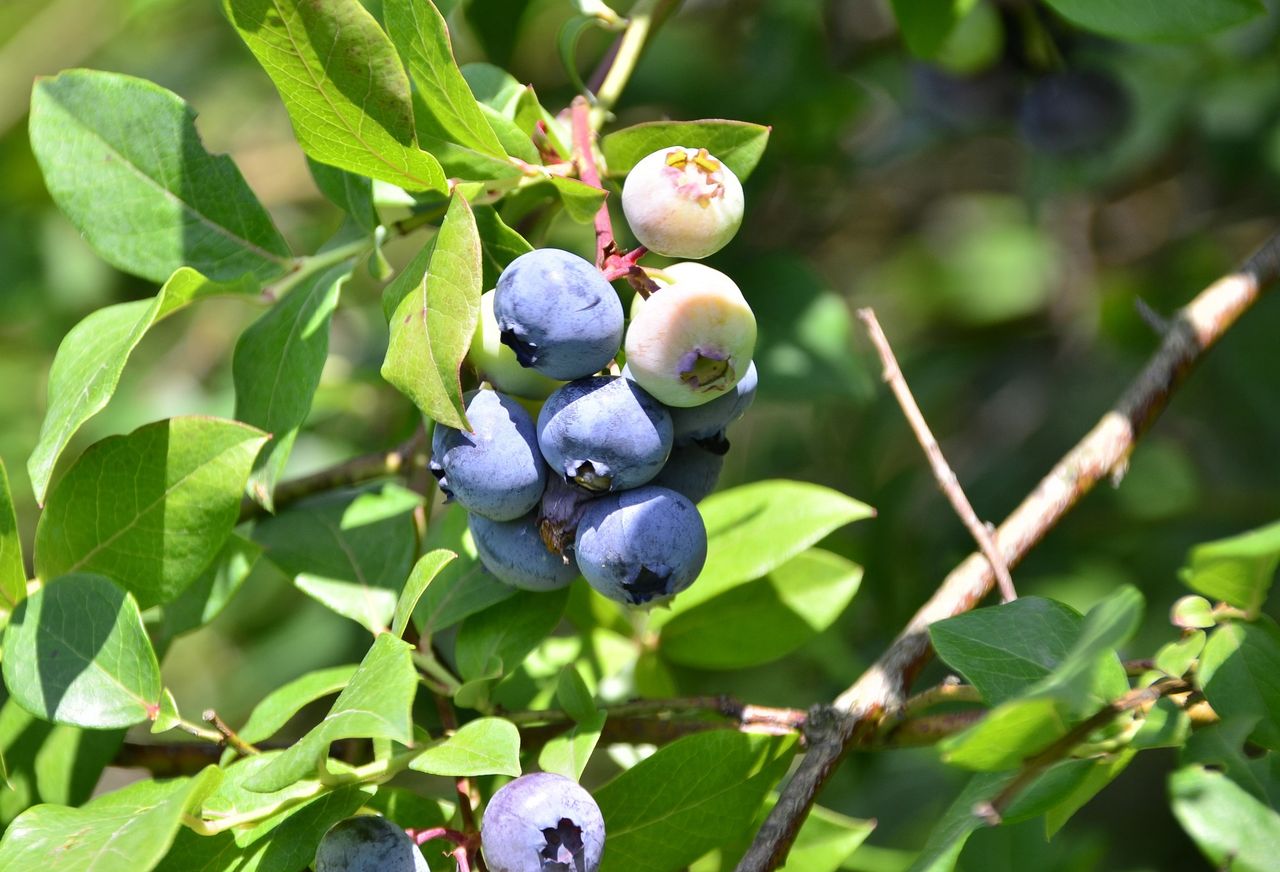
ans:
(531, 628)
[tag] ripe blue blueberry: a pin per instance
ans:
(604, 433)
(558, 314)
(497, 470)
(706, 424)
(641, 547)
(692, 471)
(497, 364)
(514, 552)
(542, 823)
(682, 202)
(1073, 112)
(368, 843)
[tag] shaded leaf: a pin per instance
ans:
(13, 573)
(275, 710)
(205, 598)
(499, 244)
(1168, 21)
(507, 631)
(925, 24)
(569, 753)
(739, 144)
(351, 193)
(573, 695)
(463, 587)
(1010, 733)
(1240, 675)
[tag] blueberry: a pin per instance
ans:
(682, 202)
(604, 433)
(558, 314)
(692, 471)
(692, 341)
(706, 424)
(1073, 112)
(497, 470)
(542, 823)
(497, 364)
(642, 546)
(514, 552)
(368, 844)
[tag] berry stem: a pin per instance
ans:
(639, 24)
(229, 736)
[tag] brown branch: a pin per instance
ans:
(410, 455)
(229, 736)
(942, 471)
(1102, 453)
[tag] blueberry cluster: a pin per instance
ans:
(601, 479)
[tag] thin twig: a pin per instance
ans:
(1097, 456)
(462, 784)
(942, 471)
(229, 736)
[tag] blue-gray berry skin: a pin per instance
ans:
(558, 314)
(542, 823)
(514, 552)
(691, 471)
(1074, 112)
(368, 844)
(641, 547)
(497, 470)
(604, 433)
(706, 424)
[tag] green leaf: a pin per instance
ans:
(462, 588)
(123, 831)
(1167, 21)
(486, 746)
(92, 356)
(581, 201)
(1003, 650)
(1240, 675)
(76, 653)
(507, 631)
(957, 823)
(121, 157)
(1091, 672)
(13, 573)
(1233, 829)
(499, 244)
(351, 193)
(925, 24)
(574, 696)
(376, 704)
(350, 550)
(1177, 658)
(1221, 746)
(737, 143)
(232, 799)
(1192, 612)
(167, 717)
(149, 510)
(1239, 571)
(276, 369)
(1009, 734)
(432, 325)
(569, 753)
(420, 34)
(342, 84)
(1098, 774)
(691, 796)
(424, 571)
(274, 711)
(755, 528)
(205, 598)
(763, 620)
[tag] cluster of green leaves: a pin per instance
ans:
(1044, 670)
(143, 536)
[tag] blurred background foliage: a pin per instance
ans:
(1009, 276)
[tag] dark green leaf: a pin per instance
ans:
(763, 620)
(1091, 672)
(569, 753)
(1221, 746)
(343, 85)
(1233, 829)
(424, 571)
(507, 631)
(957, 823)
(499, 244)
(376, 704)
(205, 598)
(925, 24)
(76, 653)
(122, 159)
(1239, 570)
(283, 703)
(149, 510)
(419, 32)
(691, 796)
(493, 87)
(1167, 21)
(351, 550)
(351, 193)
(432, 325)
(1010, 733)
(1004, 650)
(92, 356)
(737, 143)
(573, 695)
(486, 746)
(1098, 774)
(462, 588)
(1240, 675)
(276, 369)
(124, 831)
(13, 573)
(567, 44)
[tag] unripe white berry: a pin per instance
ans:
(682, 202)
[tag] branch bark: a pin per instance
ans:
(1102, 453)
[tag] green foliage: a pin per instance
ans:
(1240, 674)
(487, 746)
(13, 574)
(739, 144)
(1170, 20)
(1239, 570)
(1230, 826)
(925, 24)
